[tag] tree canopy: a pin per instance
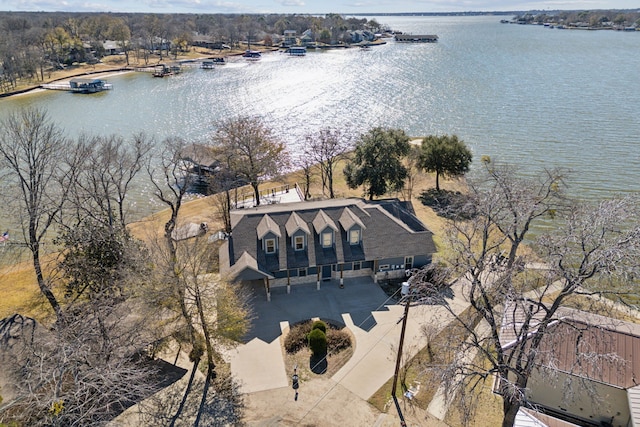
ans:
(378, 162)
(248, 147)
(445, 155)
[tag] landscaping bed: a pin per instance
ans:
(339, 349)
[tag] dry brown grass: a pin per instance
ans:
(487, 408)
(20, 292)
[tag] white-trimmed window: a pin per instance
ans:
(354, 236)
(327, 239)
(357, 265)
(302, 272)
(298, 243)
(270, 246)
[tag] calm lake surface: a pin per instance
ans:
(527, 95)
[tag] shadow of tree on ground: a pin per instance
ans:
(318, 364)
(448, 204)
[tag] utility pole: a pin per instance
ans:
(400, 345)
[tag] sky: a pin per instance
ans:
(307, 6)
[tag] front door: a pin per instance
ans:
(326, 272)
(408, 262)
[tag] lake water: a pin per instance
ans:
(528, 95)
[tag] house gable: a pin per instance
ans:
(267, 225)
(298, 232)
(352, 225)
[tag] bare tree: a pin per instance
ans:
(305, 165)
(92, 366)
(170, 180)
(327, 148)
(106, 178)
(254, 154)
(220, 311)
(591, 250)
(221, 184)
(217, 314)
(84, 372)
(40, 166)
(513, 203)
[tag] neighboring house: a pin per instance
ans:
(288, 244)
(109, 47)
(289, 38)
(307, 38)
(208, 42)
(362, 35)
(588, 368)
(112, 47)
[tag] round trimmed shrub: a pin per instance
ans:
(318, 342)
(319, 324)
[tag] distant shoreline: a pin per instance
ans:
(486, 13)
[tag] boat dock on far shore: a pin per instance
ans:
(413, 38)
(80, 85)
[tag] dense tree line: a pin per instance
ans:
(33, 42)
(592, 18)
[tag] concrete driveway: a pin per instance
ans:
(361, 305)
(359, 297)
(259, 363)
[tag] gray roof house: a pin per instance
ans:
(292, 243)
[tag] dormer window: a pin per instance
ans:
(298, 229)
(270, 246)
(326, 229)
(353, 226)
(269, 232)
(354, 236)
(327, 239)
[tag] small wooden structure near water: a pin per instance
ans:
(413, 38)
(162, 70)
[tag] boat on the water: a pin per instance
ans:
(212, 62)
(252, 55)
